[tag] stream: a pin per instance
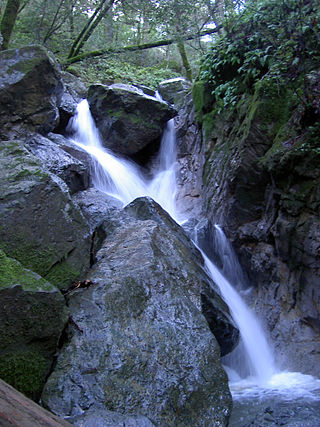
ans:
(262, 394)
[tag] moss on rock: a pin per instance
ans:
(25, 371)
(13, 274)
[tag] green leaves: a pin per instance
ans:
(268, 41)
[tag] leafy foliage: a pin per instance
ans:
(267, 41)
(116, 70)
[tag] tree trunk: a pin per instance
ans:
(138, 47)
(8, 20)
(184, 57)
(100, 12)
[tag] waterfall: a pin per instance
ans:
(259, 356)
(122, 178)
(125, 180)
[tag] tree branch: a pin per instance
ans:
(135, 48)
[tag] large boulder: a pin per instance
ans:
(30, 91)
(139, 344)
(32, 316)
(59, 162)
(39, 224)
(126, 117)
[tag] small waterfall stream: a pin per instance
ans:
(125, 180)
(122, 178)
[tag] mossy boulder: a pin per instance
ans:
(141, 345)
(39, 224)
(32, 317)
(126, 117)
(30, 90)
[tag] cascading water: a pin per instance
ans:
(123, 179)
(261, 365)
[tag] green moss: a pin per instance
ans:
(208, 124)
(12, 273)
(24, 249)
(202, 99)
(61, 274)
(26, 371)
(198, 101)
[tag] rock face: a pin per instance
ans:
(190, 160)
(30, 91)
(59, 162)
(16, 409)
(32, 317)
(174, 90)
(126, 117)
(141, 345)
(262, 184)
(39, 225)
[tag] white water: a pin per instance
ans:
(122, 178)
(125, 180)
(263, 379)
(261, 365)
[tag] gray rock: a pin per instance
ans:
(213, 307)
(30, 91)
(57, 161)
(175, 90)
(275, 411)
(190, 160)
(74, 92)
(71, 148)
(39, 224)
(104, 418)
(126, 117)
(141, 345)
(32, 317)
(97, 207)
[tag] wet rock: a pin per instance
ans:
(30, 91)
(174, 90)
(74, 92)
(97, 207)
(104, 418)
(39, 224)
(266, 197)
(32, 317)
(214, 309)
(126, 117)
(73, 149)
(16, 409)
(190, 160)
(276, 411)
(145, 348)
(57, 161)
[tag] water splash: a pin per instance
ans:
(122, 178)
(261, 363)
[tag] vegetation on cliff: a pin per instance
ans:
(268, 54)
